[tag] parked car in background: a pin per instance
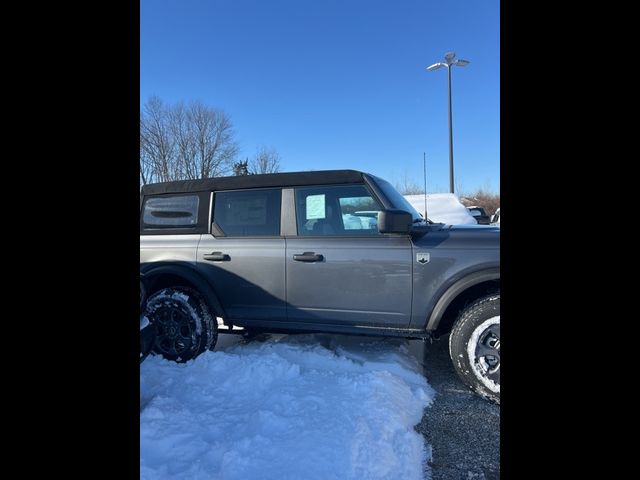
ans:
(442, 208)
(480, 215)
(495, 218)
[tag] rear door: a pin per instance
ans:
(340, 269)
(243, 255)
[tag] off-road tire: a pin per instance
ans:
(474, 347)
(184, 324)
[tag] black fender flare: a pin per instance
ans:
(189, 273)
(457, 288)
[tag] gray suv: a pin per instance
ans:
(337, 251)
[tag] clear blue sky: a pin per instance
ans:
(338, 84)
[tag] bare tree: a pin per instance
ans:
(489, 200)
(214, 147)
(184, 141)
(407, 186)
(182, 133)
(145, 166)
(266, 160)
(156, 142)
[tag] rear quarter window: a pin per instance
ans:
(171, 212)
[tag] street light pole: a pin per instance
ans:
(451, 183)
(450, 61)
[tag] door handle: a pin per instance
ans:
(308, 257)
(216, 257)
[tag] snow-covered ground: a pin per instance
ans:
(442, 207)
(291, 407)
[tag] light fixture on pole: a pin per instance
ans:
(449, 61)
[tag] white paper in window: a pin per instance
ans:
(315, 207)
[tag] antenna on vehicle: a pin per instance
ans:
(424, 161)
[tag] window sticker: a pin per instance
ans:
(316, 206)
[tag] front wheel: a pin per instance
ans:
(474, 346)
(184, 326)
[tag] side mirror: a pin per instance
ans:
(394, 221)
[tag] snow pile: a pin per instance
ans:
(297, 407)
(442, 208)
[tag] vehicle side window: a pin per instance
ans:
(171, 212)
(248, 213)
(341, 210)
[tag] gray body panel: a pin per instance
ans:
(168, 248)
(455, 252)
(360, 281)
(251, 283)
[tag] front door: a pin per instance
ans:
(339, 268)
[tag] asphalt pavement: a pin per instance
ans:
(462, 428)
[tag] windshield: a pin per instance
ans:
(396, 199)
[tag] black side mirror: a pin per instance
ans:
(394, 221)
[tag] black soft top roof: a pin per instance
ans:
(288, 179)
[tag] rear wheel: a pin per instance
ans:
(474, 346)
(184, 325)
